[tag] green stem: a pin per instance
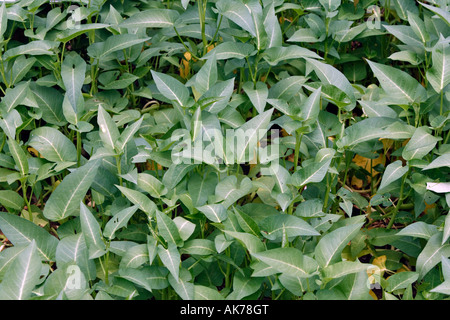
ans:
(119, 169)
(24, 191)
(78, 148)
(202, 13)
(217, 31)
(400, 202)
(185, 46)
(298, 142)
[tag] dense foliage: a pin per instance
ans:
(230, 149)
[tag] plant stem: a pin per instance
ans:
(78, 148)
(24, 191)
(298, 142)
(184, 45)
(400, 201)
(119, 169)
(202, 13)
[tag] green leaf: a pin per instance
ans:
(137, 276)
(181, 285)
(238, 13)
(343, 268)
(349, 34)
(135, 257)
(128, 134)
(393, 172)
(53, 145)
(311, 107)
(439, 74)
(289, 261)
(275, 55)
(272, 27)
(92, 232)
(153, 18)
(171, 259)
(246, 222)
(168, 229)
(50, 102)
(171, 88)
(397, 83)
(446, 233)
(108, 129)
(330, 75)
(206, 77)
(314, 172)
(419, 229)
(22, 232)
(214, 212)
(201, 247)
(230, 190)
(19, 157)
(401, 280)
(22, 276)
(441, 13)
(10, 122)
(15, 96)
(420, 145)
(222, 90)
(253, 130)
(20, 68)
(7, 257)
(3, 19)
(228, 50)
(431, 254)
(175, 174)
(439, 162)
(73, 71)
(152, 185)
(123, 82)
(38, 47)
(244, 285)
(287, 88)
(10, 199)
(206, 293)
(119, 42)
(405, 34)
(251, 242)
(65, 200)
(200, 188)
(69, 34)
(418, 26)
(330, 246)
(138, 198)
(119, 220)
(221, 243)
(276, 226)
(443, 288)
(258, 95)
(330, 5)
(54, 17)
(72, 250)
(185, 227)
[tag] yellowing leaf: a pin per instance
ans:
(34, 152)
(364, 162)
(380, 262)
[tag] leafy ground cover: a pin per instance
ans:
(236, 149)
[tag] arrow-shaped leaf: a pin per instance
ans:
(65, 200)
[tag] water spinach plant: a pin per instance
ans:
(229, 149)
